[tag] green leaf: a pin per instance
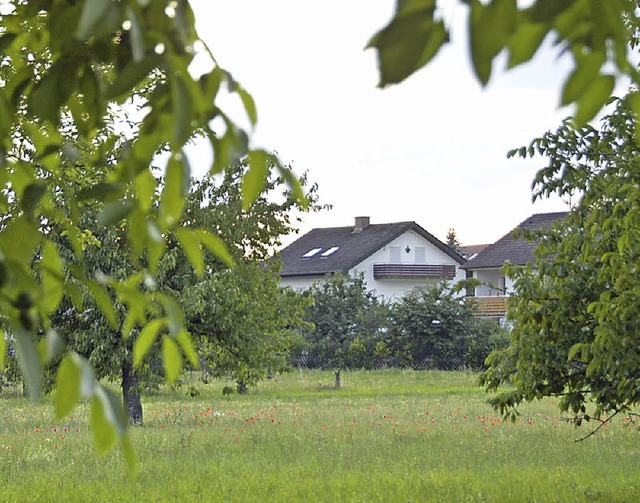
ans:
(19, 240)
(587, 69)
(131, 75)
(91, 89)
(96, 18)
(594, 98)
(101, 192)
(17, 85)
(54, 89)
(182, 110)
(146, 185)
(50, 346)
(136, 36)
(6, 116)
(190, 244)
(155, 247)
(145, 340)
(129, 453)
(115, 410)
(137, 230)
(176, 187)
(490, 28)
(53, 278)
(249, 105)
(634, 101)
(525, 42)
(216, 246)
(174, 313)
(29, 361)
(104, 431)
(229, 149)
(546, 11)
(31, 198)
(255, 178)
(104, 301)
(171, 359)
(408, 42)
(75, 295)
(294, 184)
(115, 212)
(67, 388)
(184, 340)
(575, 349)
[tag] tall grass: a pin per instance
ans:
(386, 436)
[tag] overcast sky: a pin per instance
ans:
(432, 149)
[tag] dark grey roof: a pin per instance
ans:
(517, 251)
(353, 248)
(471, 250)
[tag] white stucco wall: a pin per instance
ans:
(300, 283)
(494, 277)
(395, 288)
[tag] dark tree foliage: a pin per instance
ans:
(452, 240)
(243, 322)
(430, 328)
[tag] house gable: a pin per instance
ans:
(393, 257)
(341, 249)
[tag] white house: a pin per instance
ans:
(394, 257)
(486, 266)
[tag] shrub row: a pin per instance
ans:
(428, 328)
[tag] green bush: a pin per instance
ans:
(487, 336)
(430, 328)
(347, 322)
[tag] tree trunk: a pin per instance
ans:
(131, 394)
(241, 387)
(338, 384)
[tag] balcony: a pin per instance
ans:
(490, 306)
(414, 271)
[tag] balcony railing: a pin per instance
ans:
(490, 306)
(414, 271)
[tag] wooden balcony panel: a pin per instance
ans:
(414, 271)
(490, 306)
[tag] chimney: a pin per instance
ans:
(361, 223)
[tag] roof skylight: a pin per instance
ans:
(311, 252)
(330, 251)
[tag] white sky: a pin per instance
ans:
(432, 149)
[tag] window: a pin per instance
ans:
(394, 255)
(311, 252)
(420, 255)
(330, 251)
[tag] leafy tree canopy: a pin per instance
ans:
(67, 69)
(575, 311)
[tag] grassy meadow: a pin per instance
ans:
(388, 436)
